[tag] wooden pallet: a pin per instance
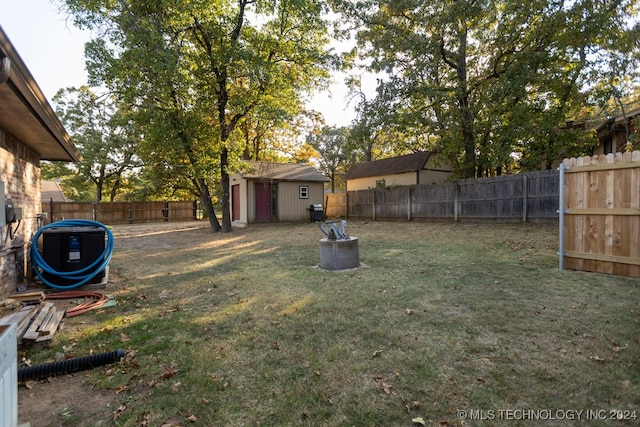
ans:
(37, 323)
(28, 297)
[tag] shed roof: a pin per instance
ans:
(393, 165)
(283, 172)
(25, 112)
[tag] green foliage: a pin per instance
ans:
(206, 78)
(74, 186)
(330, 144)
(105, 136)
(492, 83)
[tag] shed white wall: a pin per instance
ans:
(237, 179)
(290, 206)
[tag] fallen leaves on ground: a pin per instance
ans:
(385, 387)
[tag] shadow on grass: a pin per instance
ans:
(240, 329)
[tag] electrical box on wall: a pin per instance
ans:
(9, 211)
(17, 213)
(3, 218)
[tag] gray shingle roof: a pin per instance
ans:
(283, 172)
(618, 119)
(393, 165)
(51, 190)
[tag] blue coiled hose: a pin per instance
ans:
(78, 277)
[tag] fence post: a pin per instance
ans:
(346, 204)
(524, 197)
(561, 212)
(51, 210)
(94, 211)
(374, 204)
(165, 211)
(409, 202)
(195, 209)
(456, 207)
(130, 212)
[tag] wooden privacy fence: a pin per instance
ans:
(600, 214)
(524, 197)
(121, 212)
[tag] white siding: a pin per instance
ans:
(291, 207)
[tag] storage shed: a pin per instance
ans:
(275, 192)
(424, 167)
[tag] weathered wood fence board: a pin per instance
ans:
(433, 201)
(121, 212)
(602, 214)
(335, 204)
(522, 197)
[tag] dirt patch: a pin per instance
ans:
(67, 400)
(71, 400)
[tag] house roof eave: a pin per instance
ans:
(26, 114)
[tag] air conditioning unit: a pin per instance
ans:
(69, 249)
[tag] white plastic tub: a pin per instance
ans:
(8, 376)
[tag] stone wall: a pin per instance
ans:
(20, 173)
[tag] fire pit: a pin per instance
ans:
(338, 251)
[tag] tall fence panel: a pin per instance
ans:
(434, 201)
(335, 205)
(543, 190)
(121, 212)
(602, 214)
(392, 203)
(522, 197)
(360, 204)
(491, 198)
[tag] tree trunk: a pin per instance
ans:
(467, 136)
(98, 190)
(114, 189)
(205, 198)
(224, 183)
(465, 110)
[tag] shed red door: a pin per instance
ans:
(263, 201)
(235, 202)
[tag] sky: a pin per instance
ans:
(53, 51)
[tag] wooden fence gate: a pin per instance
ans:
(600, 214)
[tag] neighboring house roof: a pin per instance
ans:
(51, 191)
(283, 172)
(25, 112)
(619, 119)
(393, 165)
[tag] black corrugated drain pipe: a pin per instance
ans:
(68, 366)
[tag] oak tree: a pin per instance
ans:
(492, 82)
(194, 70)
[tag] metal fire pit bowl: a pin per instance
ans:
(338, 251)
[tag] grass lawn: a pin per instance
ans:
(442, 324)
